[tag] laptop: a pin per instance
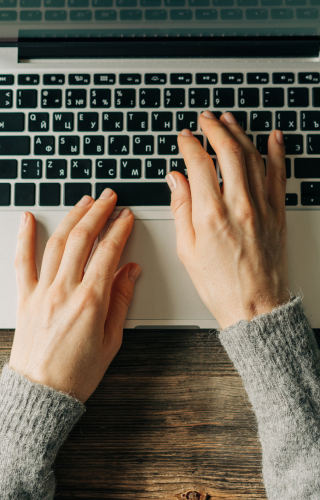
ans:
(93, 94)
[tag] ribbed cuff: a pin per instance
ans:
(34, 418)
(276, 355)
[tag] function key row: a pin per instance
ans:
(161, 79)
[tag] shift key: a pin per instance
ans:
(14, 145)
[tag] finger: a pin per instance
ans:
(181, 207)
(253, 161)
(230, 156)
(120, 299)
(104, 262)
(25, 264)
(276, 179)
(81, 238)
(56, 244)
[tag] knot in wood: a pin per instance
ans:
(192, 495)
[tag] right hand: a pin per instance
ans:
(233, 241)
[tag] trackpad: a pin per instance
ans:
(164, 290)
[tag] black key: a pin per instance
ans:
(79, 79)
(180, 14)
(88, 122)
(44, 145)
(261, 120)
(178, 165)
(307, 168)
(231, 14)
(298, 97)
(205, 78)
(137, 122)
(273, 98)
(55, 15)
(308, 77)
(30, 15)
(232, 78)
(8, 15)
(104, 79)
(112, 122)
(253, 78)
(248, 98)
(291, 199)
(155, 14)
(100, 98)
(106, 15)
(286, 120)
(223, 3)
(8, 169)
(118, 145)
(313, 144)
(199, 98)
(138, 193)
(167, 145)
(56, 169)
(125, 98)
(49, 194)
(6, 98)
(156, 168)
(162, 121)
(281, 13)
(223, 98)
(262, 144)
(143, 144)
(257, 14)
(53, 79)
(180, 78)
(27, 98)
(283, 78)
(174, 98)
(6, 79)
(186, 119)
(69, 145)
(155, 78)
(51, 98)
(81, 169)
(5, 194)
(241, 117)
(63, 122)
(38, 122)
(11, 122)
(310, 120)
(130, 169)
(93, 145)
(28, 79)
(307, 14)
(210, 149)
(74, 191)
(293, 144)
(31, 169)
(76, 98)
(130, 79)
(14, 145)
(288, 168)
(106, 169)
(149, 98)
(316, 97)
(24, 194)
(310, 193)
(200, 138)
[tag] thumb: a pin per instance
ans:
(120, 299)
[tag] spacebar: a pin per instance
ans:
(138, 193)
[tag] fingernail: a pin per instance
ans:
(133, 273)
(24, 218)
(124, 213)
(106, 193)
(208, 114)
(85, 200)
(186, 132)
(171, 182)
(229, 118)
(279, 137)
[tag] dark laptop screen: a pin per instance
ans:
(105, 19)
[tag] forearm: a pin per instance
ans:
(34, 422)
(278, 359)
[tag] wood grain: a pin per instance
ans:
(170, 420)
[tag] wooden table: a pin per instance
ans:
(169, 419)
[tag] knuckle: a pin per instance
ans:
(199, 156)
(179, 205)
(123, 295)
(254, 157)
(230, 145)
(109, 245)
(246, 214)
(80, 233)
(55, 242)
(22, 259)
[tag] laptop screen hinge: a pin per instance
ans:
(166, 48)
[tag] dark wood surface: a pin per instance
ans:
(170, 417)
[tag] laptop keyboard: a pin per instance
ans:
(66, 135)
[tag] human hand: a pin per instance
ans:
(70, 323)
(233, 240)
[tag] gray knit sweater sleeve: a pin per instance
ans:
(278, 358)
(34, 422)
